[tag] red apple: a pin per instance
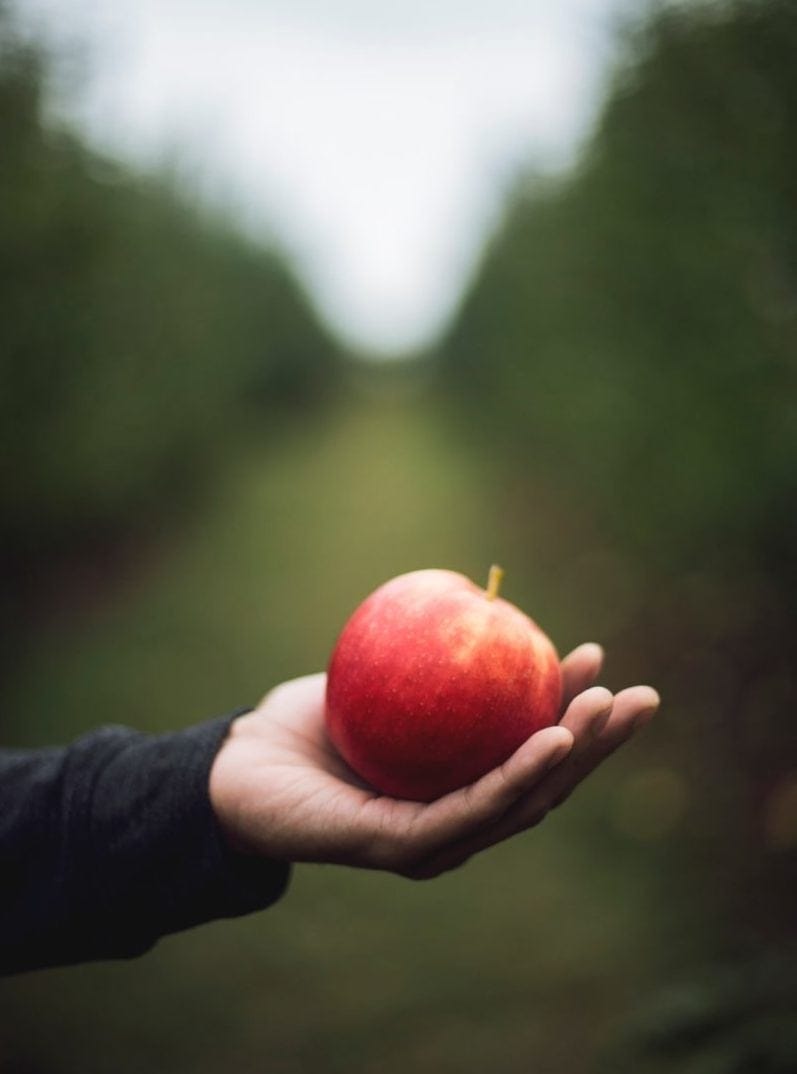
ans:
(434, 681)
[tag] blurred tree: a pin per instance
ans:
(631, 340)
(137, 333)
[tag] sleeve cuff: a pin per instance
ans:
(236, 883)
(158, 858)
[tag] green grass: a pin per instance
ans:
(524, 959)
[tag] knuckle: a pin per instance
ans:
(505, 790)
(470, 800)
(485, 805)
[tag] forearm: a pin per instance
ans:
(110, 843)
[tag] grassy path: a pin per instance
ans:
(298, 534)
(507, 962)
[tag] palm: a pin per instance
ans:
(288, 766)
(285, 792)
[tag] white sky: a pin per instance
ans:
(372, 138)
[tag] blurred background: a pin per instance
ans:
(298, 296)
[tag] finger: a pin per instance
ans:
(580, 669)
(463, 812)
(631, 710)
(588, 713)
(585, 718)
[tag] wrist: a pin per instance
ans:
(224, 789)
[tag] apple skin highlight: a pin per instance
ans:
(434, 681)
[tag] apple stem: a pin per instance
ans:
(494, 581)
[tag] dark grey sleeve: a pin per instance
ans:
(111, 842)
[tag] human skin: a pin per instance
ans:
(280, 790)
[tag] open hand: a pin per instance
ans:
(279, 788)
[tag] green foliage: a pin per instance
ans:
(624, 366)
(629, 346)
(633, 327)
(137, 331)
(525, 954)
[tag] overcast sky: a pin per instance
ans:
(371, 137)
